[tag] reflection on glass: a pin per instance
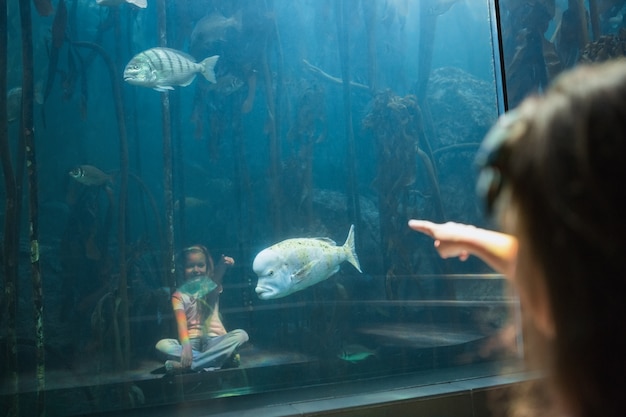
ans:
(315, 116)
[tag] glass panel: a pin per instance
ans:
(542, 38)
(319, 119)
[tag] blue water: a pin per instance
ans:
(291, 152)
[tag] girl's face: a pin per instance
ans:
(195, 264)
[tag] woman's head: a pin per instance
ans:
(195, 261)
(562, 171)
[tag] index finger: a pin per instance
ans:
(423, 226)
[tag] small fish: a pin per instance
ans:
(112, 3)
(90, 175)
(295, 264)
(161, 68)
(355, 353)
(213, 27)
(226, 85)
(198, 287)
(14, 103)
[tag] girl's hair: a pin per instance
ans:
(565, 175)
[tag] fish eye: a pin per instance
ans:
(271, 273)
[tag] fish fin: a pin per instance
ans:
(237, 18)
(350, 249)
(208, 65)
(326, 240)
(188, 82)
(139, 3)
(303, 272)
(164, 88)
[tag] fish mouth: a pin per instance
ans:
(264, 293)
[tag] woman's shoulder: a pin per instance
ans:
(180, 297)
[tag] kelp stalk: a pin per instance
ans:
(10, 242)
(396, 124)
(27, 130)
(344, 54)
(428, 26)
(167, 156)
(371, 22)
(581, 13)
(320, 73)
(594, 15)
(123, 194)
(274, 150)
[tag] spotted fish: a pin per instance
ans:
(295, 264)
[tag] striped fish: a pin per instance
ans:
(162, 68)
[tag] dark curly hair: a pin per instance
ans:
(564, 176)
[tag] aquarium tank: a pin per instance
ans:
(272, 150)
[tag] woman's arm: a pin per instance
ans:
(498, 250)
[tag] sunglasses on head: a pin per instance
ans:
(493, 157)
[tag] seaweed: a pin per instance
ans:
(428, 26)
(123, 193)
(396, 123)
(274, 145)
(308, 129)
(10, 241)
(354, 209)
(59, 27)
(167, 157)
(605, 47)
(536, 60)
(28, 151)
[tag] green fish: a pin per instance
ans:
(355, 353)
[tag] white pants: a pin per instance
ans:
(207, 352)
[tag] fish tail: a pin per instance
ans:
(237, 19)
(350, 249)
(207, 68)
(139, 3)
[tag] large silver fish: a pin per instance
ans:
(161, 68)
(212, 28)
(295, 264)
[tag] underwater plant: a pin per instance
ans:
(396, 123)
